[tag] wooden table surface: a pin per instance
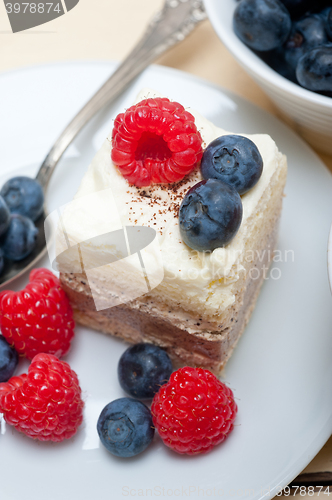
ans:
(108, 29)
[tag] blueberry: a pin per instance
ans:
(329, 24)
(8, 360)
(307, 33)
(24, 196)
(142, 369)
(297, 7)
(276, 60)
(233, 159)
(325, 13)
(262, 24)
(2, 261)
(4, 216)
(20, 238)
(125, 427)
(210, 215)
(314, 69)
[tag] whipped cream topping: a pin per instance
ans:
(185, 271)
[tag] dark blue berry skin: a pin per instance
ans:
(325, 13)
(276, 60)
(24, 196)
(8, 360)
(314, 69)
(233, 159)
(2, 261)
(210, 215)
(125, 427)
(4, 216)
(307, 33)
(329, 24)
(142, 369)
(262, 24)
(297, 7)
(20, 238)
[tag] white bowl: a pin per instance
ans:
(308, 112)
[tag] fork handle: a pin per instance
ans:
(169, 26)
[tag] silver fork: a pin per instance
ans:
(172, 24)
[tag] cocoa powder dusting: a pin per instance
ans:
(164, 205)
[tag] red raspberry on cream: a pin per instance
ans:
(155, 141)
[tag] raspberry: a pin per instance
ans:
(194, 411)
(155, 141)
(46, 403)
(38, 318)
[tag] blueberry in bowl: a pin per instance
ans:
(314, 69)
(325, 14)
(125, 427)
(296, 7)
(262, 24)
(310, 112)
(2, 260)
(143, 368)
(329, 22)
(307, 33)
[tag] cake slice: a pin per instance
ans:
(200, 308)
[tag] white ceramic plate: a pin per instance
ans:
(281, 371)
